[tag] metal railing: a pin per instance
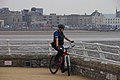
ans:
(88, 51)
(100, 52)
(23, 46)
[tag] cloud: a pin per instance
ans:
(2, 1)
(63, 6)
(118, 4)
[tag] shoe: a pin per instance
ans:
(64, 70)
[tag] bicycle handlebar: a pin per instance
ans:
(72, 45)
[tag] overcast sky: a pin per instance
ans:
(64, 6)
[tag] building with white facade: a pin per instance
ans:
(113, 22)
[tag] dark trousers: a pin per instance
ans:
(58, 55)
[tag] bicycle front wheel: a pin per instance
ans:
(53, 67)
(68, 64)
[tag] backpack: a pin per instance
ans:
(53, 44)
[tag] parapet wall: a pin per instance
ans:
(95, 70)
(25, 60)
(92, 69)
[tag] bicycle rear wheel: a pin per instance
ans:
(53, 67)
(68, 65)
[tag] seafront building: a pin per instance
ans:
(52, 19)
(117, 13)
(96, 19)
(36, 19)
(73, 20)
(11, 18)
(31, 16)
(37, 10)
(113, 22)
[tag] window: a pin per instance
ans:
(13, 19)
(50, 19)
(50, 16)
(18, 20)
(44, 19)
(44, 16)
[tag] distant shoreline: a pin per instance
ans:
(40, 32)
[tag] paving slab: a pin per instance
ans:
(18, 73)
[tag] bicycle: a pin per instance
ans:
(53, 67)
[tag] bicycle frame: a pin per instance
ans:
(67, 56)
(63, 57)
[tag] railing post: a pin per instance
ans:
(8, 47)
(49, 49)
(85, 52)
(102, 57)
(119, 51)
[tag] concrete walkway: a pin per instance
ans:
(17, 73)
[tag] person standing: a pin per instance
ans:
(58, 42)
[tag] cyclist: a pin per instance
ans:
(58, 42)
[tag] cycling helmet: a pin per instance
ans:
(61, 26)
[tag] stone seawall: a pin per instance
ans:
(92, 69)
(95, 70)
(25, 60)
